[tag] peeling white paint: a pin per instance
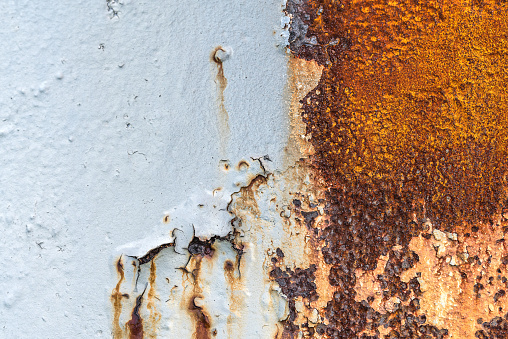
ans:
(108, 118)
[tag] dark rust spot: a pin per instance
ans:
(202, 323)
(200, 247)
(116, 299)
(152, 253)
(166, 219)
(229, 266)
(135, 324)
(496, 328)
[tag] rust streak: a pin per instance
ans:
(155, 316)
(218, 56)
(135, 324)
(199, 317)
(116, 299)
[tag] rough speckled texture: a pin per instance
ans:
(409, 128)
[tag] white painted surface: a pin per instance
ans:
(108, 122)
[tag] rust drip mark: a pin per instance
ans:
(155, 315)
(219, 55)
(116, 299)
(202, 322)
(195, 306)
(135, 324)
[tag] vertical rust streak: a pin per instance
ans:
(199, 317)
(135, 325)
(116, 299)
(222, 83)
(155, 315)
(201, 321)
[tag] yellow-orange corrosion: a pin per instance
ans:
(155, 316)
(116, 299)
(408, 126)
(414, 93)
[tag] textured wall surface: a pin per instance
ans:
(254, 169)
(110, 116)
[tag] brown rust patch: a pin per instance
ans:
(135, 324)
(408, 128)
(202, 323)
(153, 253)
(116, 299)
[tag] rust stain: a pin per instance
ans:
(116, 299)
(166, 219)
(408, 138)
(202, 323)
(218, 56)
(303, 76)
(198, 315)
(155, 316)
(236, 292)
(247, 201)
(135, 324)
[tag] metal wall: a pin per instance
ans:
(222, 169)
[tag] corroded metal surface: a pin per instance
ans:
(388, 217)
(408, 125)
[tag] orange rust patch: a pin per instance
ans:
(463, 279)
(116, 299)
(409, 129)
(413, 95)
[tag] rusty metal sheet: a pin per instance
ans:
(387, 218)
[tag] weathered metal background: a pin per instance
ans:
(356, 188)
(389, 220)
